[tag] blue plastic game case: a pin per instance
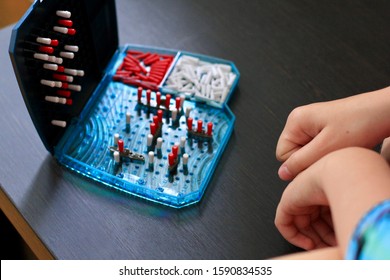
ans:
(104, 125)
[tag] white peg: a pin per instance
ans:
(159, 143)
(46, 41)
(68, 55)
(55, 99)
(58, 123)
(64, 14)
(71, 48)
(51, 83)
(117, 157)
(182, 98)
(116, 138)
(174, 114)
(185, 159)
(60, 29)
(50, 66)
(41, 56)
(150, 140)
(151, 156)
(182, 142)
(188, 110)
(69, 71)
(74, 87)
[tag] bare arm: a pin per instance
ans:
(348, 182)
(329, 253)
(315, 130)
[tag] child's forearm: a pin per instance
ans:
(354, 180)
(328, 253)
(375, 108)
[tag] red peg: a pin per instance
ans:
(209, 128)
(71, 31)
(148, 96)
(64, 93)
(167, 100)
(54, 43)
(171, 159)
(153, 128)
(156, 120)
(175, 150)
(60, 77)
(200, 126)
(65, 22)
(189, 124)
(160, 115)
(46, 49)
(120, 145)
(139, 93)
(178, 102)
(158, 98)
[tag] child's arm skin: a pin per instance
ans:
(328, 253)
(315, 130)
(385, 149)
(348, 182)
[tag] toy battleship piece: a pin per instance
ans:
(199, 134)
(127, 154)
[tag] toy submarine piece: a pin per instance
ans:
(127, 154)
(200, 134)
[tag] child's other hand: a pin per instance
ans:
(385, 149)
(325, 202)
(303, 216)
(315, 130)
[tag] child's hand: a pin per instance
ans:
(315, 130)
(385, 149)
(349, 182)
(303, 216)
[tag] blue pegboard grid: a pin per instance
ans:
(85, 146)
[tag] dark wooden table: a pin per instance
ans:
(289, 53)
